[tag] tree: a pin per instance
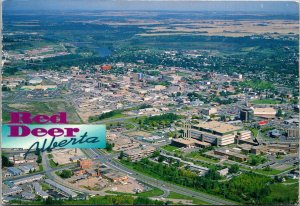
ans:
(39, 159)
(223, 118)
(234, 168)
(121, 155)
(6, 162)
(66, 174)
(109, 146)
(161, 158)
(156, 153)
(279, 113)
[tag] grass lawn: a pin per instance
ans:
(265, 101)
(151, 193)
(174, 195)
(291, 180)
(41, 168)
(169, 148)
(254, 131)
(272, 171)
(265, 172)
(129, 126)
(117, 116)
(196, 155)
(52, 163)
(45, 186)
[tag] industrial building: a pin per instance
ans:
(216, 133)
(14, 171)
(139, 153)
(267, 113)
(68, 192)
(26, 168)
(85, 164)
(231, 155)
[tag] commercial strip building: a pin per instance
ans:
(275, 148)
(215, 133)
(68, 192)
(38, 190)
(12, 191)
(27, 179)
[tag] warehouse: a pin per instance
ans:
(14, 171)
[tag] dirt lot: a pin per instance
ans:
(92, 183)
(63, 156)
(138, 133)
(126, 188)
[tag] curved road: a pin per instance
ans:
(165, 185)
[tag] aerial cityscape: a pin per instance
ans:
(201, 107)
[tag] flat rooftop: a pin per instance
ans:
(219, 127)
(190, 141)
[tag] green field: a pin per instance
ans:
(254, 131)
(174, 195)
(272, 171)
(196, 155)
(169, 148)
(265, 172)
(265, 101)
(41, 168)
(97, 200)
(52, 163)
(151, 193)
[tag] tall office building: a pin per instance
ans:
(246, 114)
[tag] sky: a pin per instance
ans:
(289, 7)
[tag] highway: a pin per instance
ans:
(165, 186)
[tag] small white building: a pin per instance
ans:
(223, 172)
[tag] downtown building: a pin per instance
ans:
(215, 133)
